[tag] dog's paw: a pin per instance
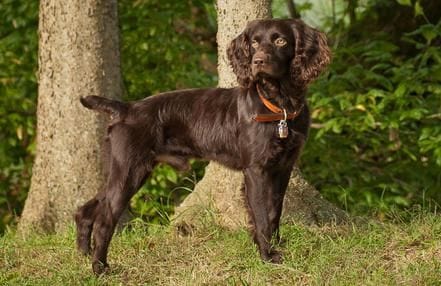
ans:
(275, 257)
(272, 257)
(100, 268)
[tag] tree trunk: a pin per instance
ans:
(220, 191)
(292, 9)
(78, 56)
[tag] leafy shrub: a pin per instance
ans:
(377, 141)
(167, 45)
(18, 93)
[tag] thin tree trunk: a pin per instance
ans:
(78, 56)
(220, 191)
(290, 4)
(352, 5)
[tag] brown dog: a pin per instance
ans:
(258, 128)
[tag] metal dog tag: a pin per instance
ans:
(282, 129)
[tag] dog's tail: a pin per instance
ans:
(112, 107)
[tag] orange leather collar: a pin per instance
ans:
(277, 112)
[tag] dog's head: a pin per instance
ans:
(276, 49)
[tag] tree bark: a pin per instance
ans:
(219, 193)
(78, 56)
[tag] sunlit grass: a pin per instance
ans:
(406, 252)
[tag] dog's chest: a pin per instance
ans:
(275, 151)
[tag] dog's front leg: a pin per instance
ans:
(257, 188)
(279, 183)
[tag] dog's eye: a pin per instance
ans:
(280, 42)
(254, 44)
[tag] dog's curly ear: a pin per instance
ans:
(312, 53)
(239, 55)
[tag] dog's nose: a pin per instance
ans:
(260, 58)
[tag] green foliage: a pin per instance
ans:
(166, 45)
(18, 90)
(378, 141)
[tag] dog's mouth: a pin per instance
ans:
(266, 74)
(267, 70)
(270, 86)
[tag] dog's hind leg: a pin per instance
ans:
(124, 181)
(84, 219)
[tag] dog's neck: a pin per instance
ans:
(280, 92)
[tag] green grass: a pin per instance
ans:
(393, 253)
